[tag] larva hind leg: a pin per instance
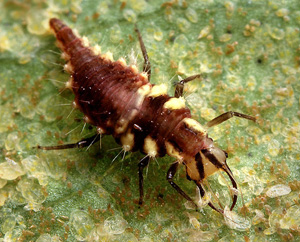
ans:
(180, 85)
(147, 65)
(80, 144)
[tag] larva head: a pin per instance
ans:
(205, 163)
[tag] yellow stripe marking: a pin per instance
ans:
(158, 90)
(96, 50)
(134, 69)
(144, 75)
(193, 124)
(143, 91)
(108, 56)
(150, 147)
(85, 41)
(175, 103)
(171, 151)
(122, 61)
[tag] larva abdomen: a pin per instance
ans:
(109, 93)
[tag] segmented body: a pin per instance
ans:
(120, 101)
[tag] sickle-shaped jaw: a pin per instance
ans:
(234, 185)
(202, 193)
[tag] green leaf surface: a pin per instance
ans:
(249, 53)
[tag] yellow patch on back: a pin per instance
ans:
(134, 69)
(175, 103)
(96, 49)
(122, 61)
(158, 90)
(150, 147)
(85, 41)
(108, 56)
(142, 93)
(144, 75)
(171, 151)
(144, 90)
(75, 31)
(193, 124)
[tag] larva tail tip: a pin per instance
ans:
(56, 24)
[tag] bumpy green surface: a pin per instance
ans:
(250, 54)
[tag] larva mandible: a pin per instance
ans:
(120, 101)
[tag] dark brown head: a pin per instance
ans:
(205, 163)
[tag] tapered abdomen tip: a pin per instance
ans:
(56, 24)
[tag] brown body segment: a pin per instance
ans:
(106, 91)
(141, 116)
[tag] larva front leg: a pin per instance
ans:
(170, 175)
(225, 116)
(180, 85)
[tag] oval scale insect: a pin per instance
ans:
(121, 102)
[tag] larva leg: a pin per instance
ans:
(180, 85)
(147, 65)
(170, 174)
(142, 164)
(80, 144)
(225, 116)
(202, 193)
